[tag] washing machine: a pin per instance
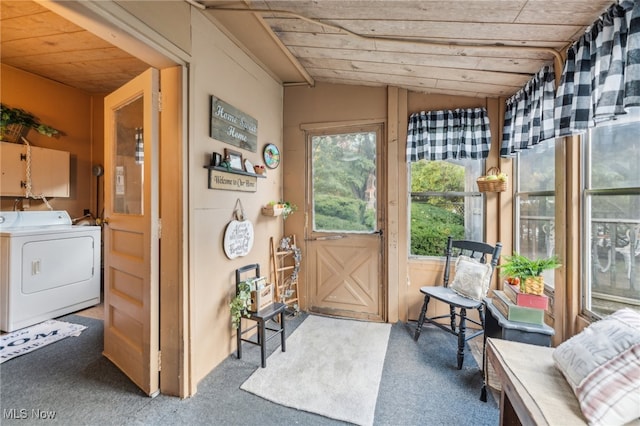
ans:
(50, 267)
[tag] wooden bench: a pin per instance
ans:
(533, 390)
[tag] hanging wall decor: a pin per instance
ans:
(230, 125)
(271, 156)
(238, 235)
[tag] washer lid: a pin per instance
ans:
(28, 219)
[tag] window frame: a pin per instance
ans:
(586, 197)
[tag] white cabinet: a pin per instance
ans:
(49, 170)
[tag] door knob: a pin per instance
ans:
(104, 221)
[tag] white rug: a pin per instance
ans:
(332, 367)
(31, 338)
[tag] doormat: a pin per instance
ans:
(31, 338)
(332, 367)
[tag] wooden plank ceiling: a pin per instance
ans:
(482, 48)
(37, 40)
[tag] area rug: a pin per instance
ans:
(31, 338)
(332, 367)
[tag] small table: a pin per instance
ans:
(498, 327)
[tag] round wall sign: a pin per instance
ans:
(271, 156)
(238, 238)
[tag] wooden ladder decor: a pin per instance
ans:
(285, 265)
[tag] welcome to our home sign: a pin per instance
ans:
(230, 125)
(219, 179)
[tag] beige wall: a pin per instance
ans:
(219, 68)
(71, 111)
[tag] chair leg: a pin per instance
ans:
(452, 318)
(461, 336)
(263, 343)
(282, 333)
(423, 313)
(239, 339)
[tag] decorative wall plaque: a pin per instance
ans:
(230, 125)
(219, 179)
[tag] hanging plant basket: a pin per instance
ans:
(493, 181)
(14, 132)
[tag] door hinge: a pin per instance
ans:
(159, 360)
(159, 228)
(159, 101)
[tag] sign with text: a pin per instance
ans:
(230, 125)
(219, 179)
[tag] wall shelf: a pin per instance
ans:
(234, 171)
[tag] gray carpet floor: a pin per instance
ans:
(73, 381)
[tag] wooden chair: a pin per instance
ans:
(458, 304)
(262, 318)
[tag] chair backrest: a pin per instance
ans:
(253, 267)
(475, 249)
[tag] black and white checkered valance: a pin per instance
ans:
(448, 135)
(601, 76)
(528, 118)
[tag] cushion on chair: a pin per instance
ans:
(602, 366)
(472, 278)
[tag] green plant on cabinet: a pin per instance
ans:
(19, 117)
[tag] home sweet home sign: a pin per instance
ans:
(230, 125)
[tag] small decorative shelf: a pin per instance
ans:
(234, 171)
(272, 211)
(232, 179)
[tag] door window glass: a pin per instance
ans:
(128, 165)
(344, 197)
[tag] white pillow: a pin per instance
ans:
(602, 366)
(472, 278)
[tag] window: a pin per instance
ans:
(611, 216)
(444, 201)
(344, 182)
(535, 203)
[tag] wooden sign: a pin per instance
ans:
(238, 238)
(230, 125)
(219, 179)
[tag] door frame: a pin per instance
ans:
(381, 198)
(111, 22)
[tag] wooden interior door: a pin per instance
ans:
(131, 291)
(344, 238)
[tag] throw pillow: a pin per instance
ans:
(602, 366)
(472, 278)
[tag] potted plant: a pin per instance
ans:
(240, 303)
(528, 272)
(14, 122)
(277, 208)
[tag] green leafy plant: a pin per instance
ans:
(9, 116)
(522, 267)
(240, 303)
(287, 207)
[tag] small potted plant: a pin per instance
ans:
(528, 271)
(240, 303)
(277, 208)
(15, 122)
